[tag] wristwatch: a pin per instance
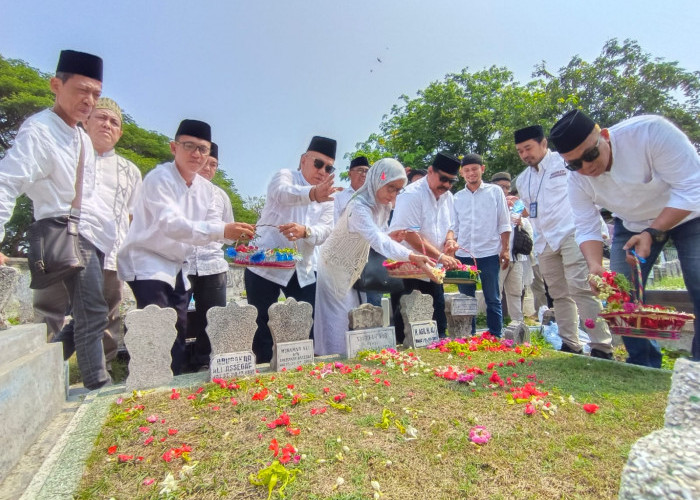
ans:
(657, 236)
(307, 232)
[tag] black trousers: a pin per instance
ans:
(435, 290)
(159, 293)
(208, 291)
(262, 293)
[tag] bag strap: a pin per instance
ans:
(78, 199)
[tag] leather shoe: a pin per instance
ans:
(596, 353)
(567, 348)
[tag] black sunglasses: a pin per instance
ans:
(451, 180)
(319, 164)
(588, 156)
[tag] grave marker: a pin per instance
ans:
(231, 330)
(374, 339)
(290, 325)
(149, 339)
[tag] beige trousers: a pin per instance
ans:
(510, 281)
(566, 272)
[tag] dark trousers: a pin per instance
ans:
(435, 290)
(490, 268)
(208, 291)
(262, 293)
(159, 293)
(686, 238)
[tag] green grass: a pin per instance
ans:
(668, 283)
(571, 454)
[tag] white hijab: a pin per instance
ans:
(381, 173)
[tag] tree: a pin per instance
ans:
(25, 91)
(478, 112)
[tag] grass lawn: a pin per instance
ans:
(388, 427)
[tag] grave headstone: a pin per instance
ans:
(666, 463)
(421, 334)
(386, 311)
(416, 308)
(517, 331)
(150, 337)
(366, 316)
(374, 339)
(290, 324)
(8, 280)
(459, 309)
(231, 330)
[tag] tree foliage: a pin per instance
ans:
(477, 112)
(25, 91)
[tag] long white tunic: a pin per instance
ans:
(170, 218)
(288, 201)
(209, 259)
(343, 256)
(42, 164)
(118, 182)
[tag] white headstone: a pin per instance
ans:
(365, 316)
(386, 311)
(149, 339)
(231, 330)
(290, 325)
(459, 310)
(415, 307)
(372, 339)
(421, 334)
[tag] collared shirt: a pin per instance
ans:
(479, 219)
(42, 164)
(209, 259)
(169, 219)
(547, 186)
(417, 208)
(654, 166)
(288, 201)
(341, 201)
(117, 182)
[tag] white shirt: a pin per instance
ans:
(341, 201)
(548, 187)
(117, 182)
(654, 166)
(479, 219)
(288, 201)
(42, 164)
(169, 219)
(209, 259)
(417, 208)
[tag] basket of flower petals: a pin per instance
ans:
(252, 256)
(464, 274)
(404, 269)
(634, 318)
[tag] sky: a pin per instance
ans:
(269, 75)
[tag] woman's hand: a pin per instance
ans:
(424, 262)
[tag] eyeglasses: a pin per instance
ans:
(451, 180)
(392, 190)
(588, 156)
(191, 146)
(319, 164)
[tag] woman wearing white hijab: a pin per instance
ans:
(344, 254)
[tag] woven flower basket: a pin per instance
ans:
(649, 325)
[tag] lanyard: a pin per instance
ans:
(529, 186)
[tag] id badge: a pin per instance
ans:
(533, 210)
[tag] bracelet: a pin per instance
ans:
(439, 257)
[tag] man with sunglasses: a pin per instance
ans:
(425, 210)
(298, 213)
(646, 172)
(357, 174)
(542, 187)
(175, 212)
